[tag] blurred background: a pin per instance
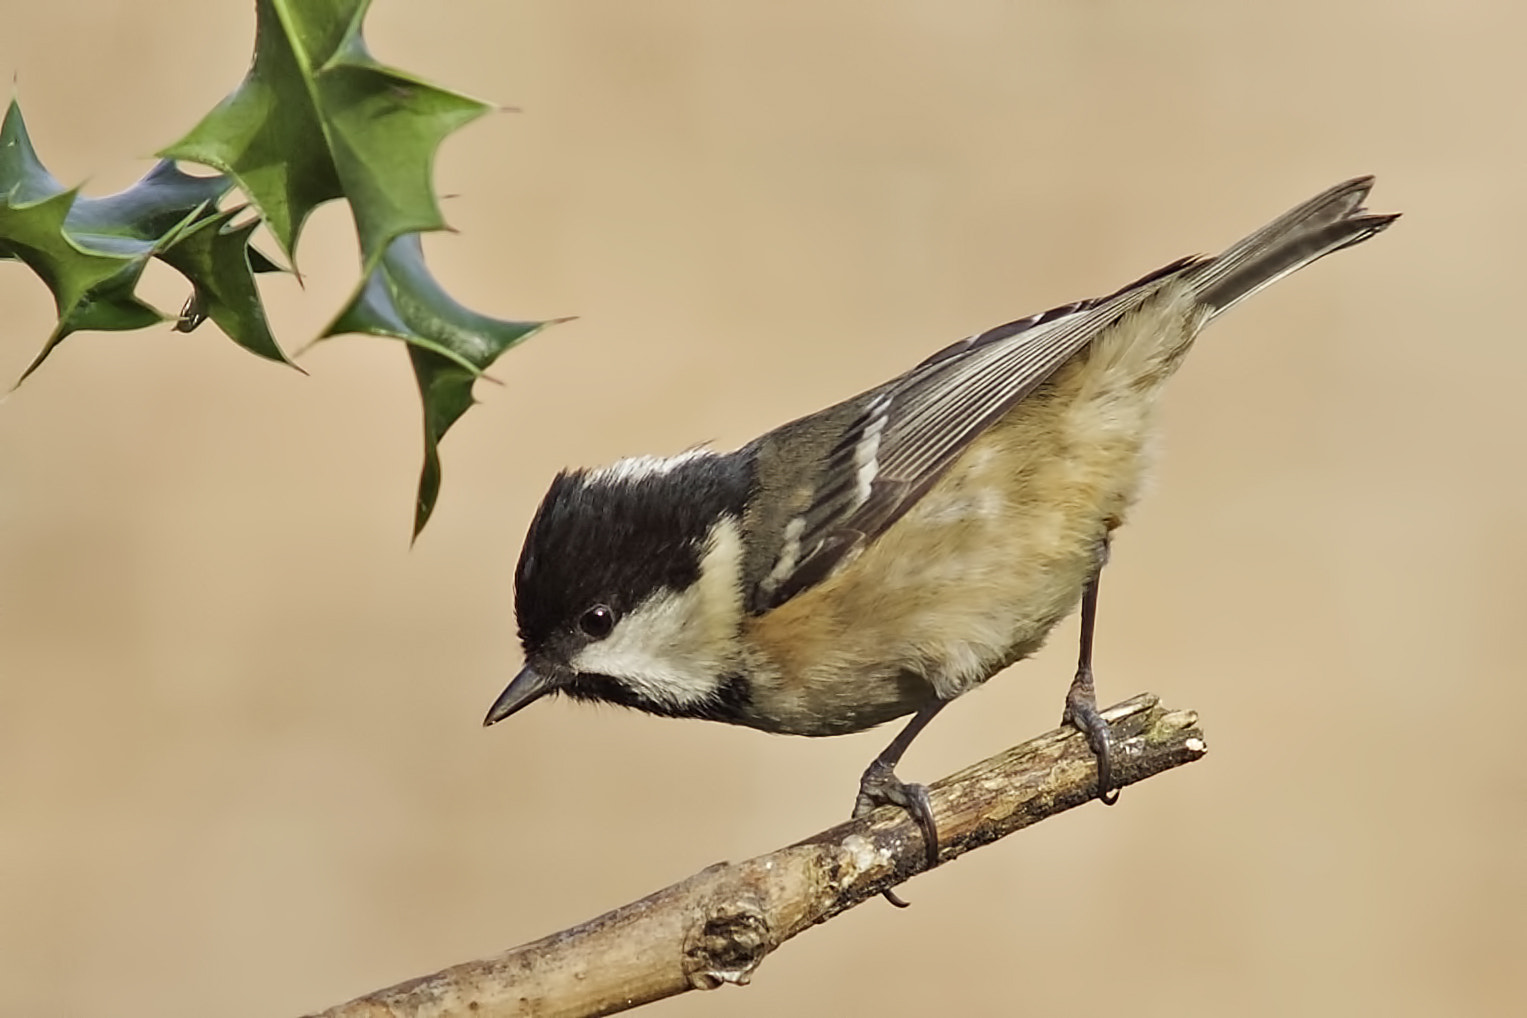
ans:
(241, 767)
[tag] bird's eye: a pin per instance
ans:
(597, 621)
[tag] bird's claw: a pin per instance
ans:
(1082, 714)
(881, 787)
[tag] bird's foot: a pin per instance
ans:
(1083, 715)
(881, 787)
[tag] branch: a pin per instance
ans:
(717, 926)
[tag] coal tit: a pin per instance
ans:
(882, 556)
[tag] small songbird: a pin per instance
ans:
(882, 556)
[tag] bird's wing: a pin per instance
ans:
(911, 430)
(908, 432)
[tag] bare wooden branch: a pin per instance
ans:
(717, 926)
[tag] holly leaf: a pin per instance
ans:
(92, 285)
(150, 210)
(147, 211)
(216, 256)
(91, 252)
(91, 289)
(318, 118)
(315, 119)
(23, 178)
(449, 345)
(267, 134)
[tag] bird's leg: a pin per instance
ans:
(1081, 700)
(881, 787)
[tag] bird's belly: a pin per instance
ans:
(975, 575)
(838, 704)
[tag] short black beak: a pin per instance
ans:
(527, 687)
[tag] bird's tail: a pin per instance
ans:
(1326, 223)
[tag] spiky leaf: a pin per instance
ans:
(92, 288)
(449, 344)
(215, 255)
(150, 210)
(318, 118)
(92, 251)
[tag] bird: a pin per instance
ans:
(883, 556)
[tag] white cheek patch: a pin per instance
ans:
(675, 646)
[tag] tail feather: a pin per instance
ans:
(1326, 223)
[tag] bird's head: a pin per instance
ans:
(629, 587)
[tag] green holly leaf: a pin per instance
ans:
(216, 256)
(148, 210)
(386, 127)
(23, 178)
(315, 119)
(449, 344)
(151, 210)
(91, 289)
(318, 118)
(91, 251)
(267, 134)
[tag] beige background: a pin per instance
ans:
(241, 771)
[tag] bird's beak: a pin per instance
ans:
(528, 686)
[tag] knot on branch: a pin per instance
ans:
(728, 943)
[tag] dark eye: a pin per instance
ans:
(597, 621)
